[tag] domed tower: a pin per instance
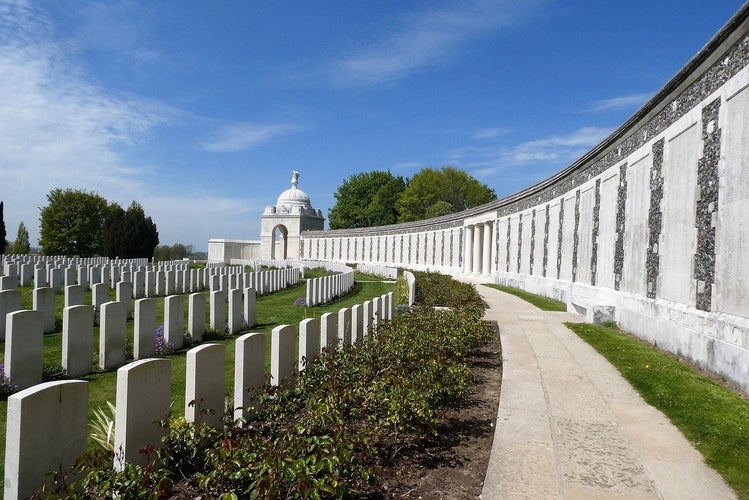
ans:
(283, 223)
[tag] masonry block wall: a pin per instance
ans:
(652, 222)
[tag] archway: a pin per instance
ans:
(280, 237)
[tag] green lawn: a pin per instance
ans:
(271, 310)
(543, 303)
(713, 418)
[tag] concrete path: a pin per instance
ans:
(569, 426)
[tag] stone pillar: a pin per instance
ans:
(477, 243)
(486, 251)
(468, 250)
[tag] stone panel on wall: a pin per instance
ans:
(636, 233)
(607, 239)
(567, 239)
(732, 251)
(679, 234)
(585, 233)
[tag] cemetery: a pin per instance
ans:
(96, 321)
(278, 344)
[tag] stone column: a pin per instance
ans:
(477, 242)
(487, 250)
(468, 258)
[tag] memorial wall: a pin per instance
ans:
(651, 226)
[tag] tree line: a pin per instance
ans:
(378, 198)
(84, 224)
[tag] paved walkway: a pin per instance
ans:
(569, 426)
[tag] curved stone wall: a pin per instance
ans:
(652, 224)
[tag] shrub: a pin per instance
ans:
(325, 434)
(53, 371)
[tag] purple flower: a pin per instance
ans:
(162, 347)
(301, 301)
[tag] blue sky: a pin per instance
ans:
(200, 110)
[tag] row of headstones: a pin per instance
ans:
(60, 259)
(147, 284)
(143, 394)
(24, 330)
(153, 281)
(326, 288)
(378, 270)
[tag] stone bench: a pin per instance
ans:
(592, 310)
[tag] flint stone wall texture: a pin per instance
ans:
(650, 222)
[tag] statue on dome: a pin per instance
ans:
(294, 178)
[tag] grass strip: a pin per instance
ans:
(712, 417)
(543, 303)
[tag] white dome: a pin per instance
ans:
(294, 197)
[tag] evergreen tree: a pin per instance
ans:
(3, 243)
(129, 234)
(22, 245)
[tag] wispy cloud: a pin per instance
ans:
(619, 103)
(122, 28)
(490, 133)
(554, 150)
(243, 136)
(426, 38)
(57, 129)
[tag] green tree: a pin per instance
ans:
(434, 192)
(72, 223)
(366, 199)
(3, 234)
(174, 252)
(129, 234)
(113, 237)
(22, 245)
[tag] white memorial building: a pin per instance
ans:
(280, 229)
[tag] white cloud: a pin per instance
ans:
(194, 219)
(426, 38)
(554, 150)
(490, 133)
(243, 136)
(57, 129)
(619, 103)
